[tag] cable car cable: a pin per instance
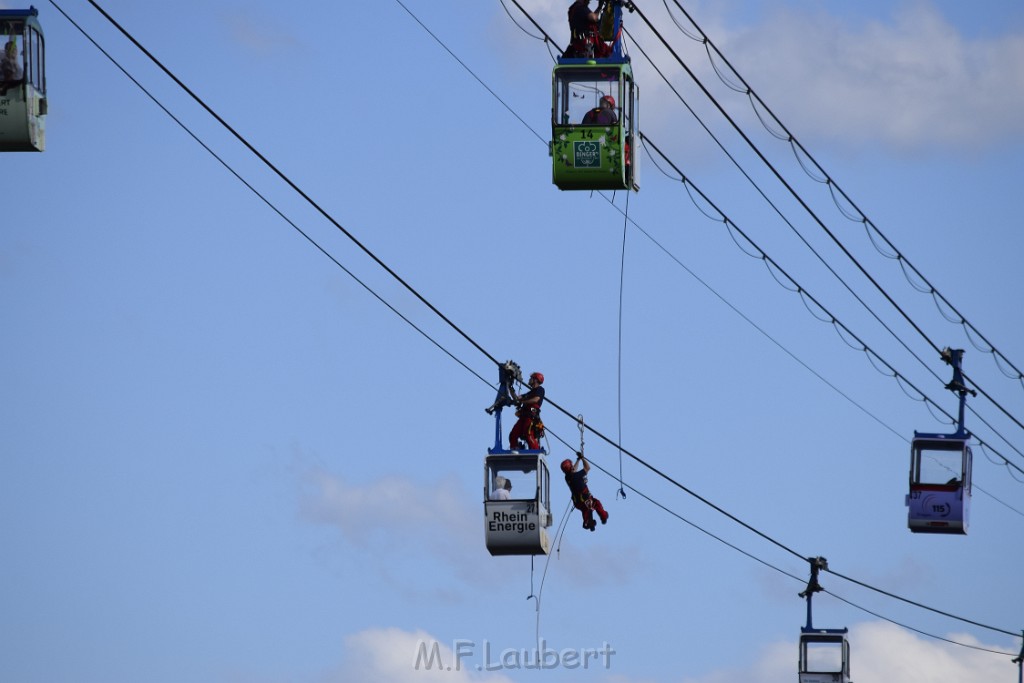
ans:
(266, 201)
(801, 580)
(471, 72)
(505, 7)
(797, 288)
(645, 138)
(432, 308)
(803, 203)
(834, 187)
(917, 604)
(777, 210)
(309, 200)
(915, 630)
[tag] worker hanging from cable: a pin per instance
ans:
(581, 497)
(528, 427)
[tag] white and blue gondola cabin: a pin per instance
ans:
(940, 483)
(824, 656)
(517, 503)
(22, 82)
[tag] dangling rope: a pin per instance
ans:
(622, 279)
(544, 576)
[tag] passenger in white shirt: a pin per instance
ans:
(502, 489)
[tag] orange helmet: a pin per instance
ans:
(538, 376)
(567, 465)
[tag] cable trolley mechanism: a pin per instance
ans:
(517, 486)
(940, 469)
(824, 652)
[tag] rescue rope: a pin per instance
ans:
(547, 562)
(622, 279)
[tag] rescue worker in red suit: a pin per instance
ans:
(528, 427)
(603, 115)
(581, 498)
(584, 32)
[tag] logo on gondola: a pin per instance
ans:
(933, 505)
(586, 154)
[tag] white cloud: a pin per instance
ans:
(882, 652)
(910, 82)
(396, 517)
(260, 34)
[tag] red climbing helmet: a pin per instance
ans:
(538, 376)
(609, 99)
(567, 465)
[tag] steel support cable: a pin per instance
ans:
(916, 630)
(644, 138)
(917, 604)
(264, 199)
(750, 555)
(391, 272)
(470, 71)
(781, 215)
(766, 537)
(799, 579)
(548, 38)
(781, 179)
(720, 510)
(685, 489)
(288, 181)
(834, 188)
(761, 254)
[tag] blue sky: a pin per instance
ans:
(224, 460)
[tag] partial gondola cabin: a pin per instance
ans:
(22, 82)
(824, 656)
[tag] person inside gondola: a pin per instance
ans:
(502, 489)
(581, 498)
(584, 32)
(11, 72)
(528, 427)
(603, 115)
